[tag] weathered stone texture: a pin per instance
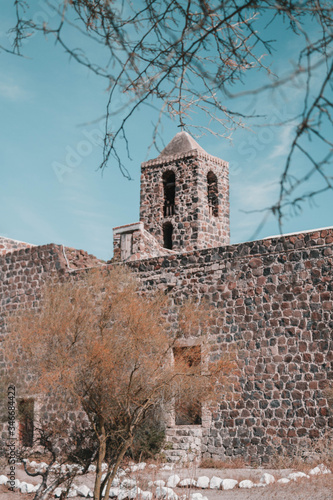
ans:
(184, 442)
(8, 245)
(133, 242)
(193, 225)
(23, 272)
(276, 299)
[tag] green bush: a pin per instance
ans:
(149, 439)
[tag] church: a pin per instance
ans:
(275, 297)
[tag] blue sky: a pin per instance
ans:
(50, 188)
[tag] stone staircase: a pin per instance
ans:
(183, 443)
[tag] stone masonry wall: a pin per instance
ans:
(276, 302)
(22, 274)
(276, 299)
(193, 227)
(141, 244)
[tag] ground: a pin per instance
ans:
(315, 488)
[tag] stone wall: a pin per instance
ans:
(133, 242)
(183, 443)
(276, 303)
(276, 300)
(23, 273)
(8, 245)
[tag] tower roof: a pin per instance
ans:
(181, 143)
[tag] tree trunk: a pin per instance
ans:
(115, 468)
(100, 458)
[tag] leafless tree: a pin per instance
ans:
(185, 56)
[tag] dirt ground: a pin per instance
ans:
(315, 488)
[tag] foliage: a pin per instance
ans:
(149, 438)
(100, 349)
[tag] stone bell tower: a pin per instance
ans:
(184, 200)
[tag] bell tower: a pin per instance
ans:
(184, 199)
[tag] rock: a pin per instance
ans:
(297, 475)
(152, 466)
(215, 483)
(228, 484)
(283, 480)
(115, 482)
(159, 482)
(17, 483)
(114, 492)
(187, 482)
(247, 483)
(3, 479)
(196, 496)
(164, 492)
(134, 493)
(167, 467)
(26, 487)
(36, 488)
(57, 492)
(146, 495)
(203, 482)
(267, 478)
(173, 481)
(23, 485)
(320, 469)
(92, 468)
(128, 483)
(123, 494)
(33, 464)
(72, 493)
(83, 491)
(259, 485)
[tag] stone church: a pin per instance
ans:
(275, 296)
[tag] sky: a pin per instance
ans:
(51, 188)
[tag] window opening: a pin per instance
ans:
(188, 413)
(167, 235)
(169, 185)
(212, 194)
(26, 421)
